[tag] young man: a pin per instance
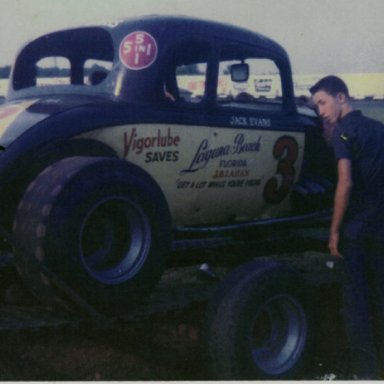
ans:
(357, 228)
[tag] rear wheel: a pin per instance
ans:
(115, 239)
(100, 224)
(258, 325)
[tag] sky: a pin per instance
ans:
(320, 36)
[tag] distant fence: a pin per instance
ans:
(361, 85)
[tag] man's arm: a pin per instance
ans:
(342, 195)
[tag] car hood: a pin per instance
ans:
(19, 116)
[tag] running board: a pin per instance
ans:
(221, 236)
(312, 218)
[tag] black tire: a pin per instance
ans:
(257, 326)
(100, 224)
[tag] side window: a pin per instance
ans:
(259, 90)
(191, 81)
(186, 74)
(96, 71)
(53, 71)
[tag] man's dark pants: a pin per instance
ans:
(363, 295)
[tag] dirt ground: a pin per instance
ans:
(167, 346)
(164, 347)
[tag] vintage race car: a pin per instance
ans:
(117, 139)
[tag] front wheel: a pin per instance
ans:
(100, 224)
(258, 324)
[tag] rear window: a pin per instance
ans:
(63, 58)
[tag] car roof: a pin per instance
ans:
(184, 26)
(166, 31)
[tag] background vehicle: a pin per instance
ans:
(152, 133)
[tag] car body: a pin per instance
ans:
(205, 110)
(218, 160)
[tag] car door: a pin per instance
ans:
(255, 148)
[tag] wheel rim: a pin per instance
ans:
(115, 240)
(279, 334)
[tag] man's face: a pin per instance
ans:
(329, 107)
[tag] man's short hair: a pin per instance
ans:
(333, 85)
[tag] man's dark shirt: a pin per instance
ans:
(361, 140)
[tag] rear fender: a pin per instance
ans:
(23, 171)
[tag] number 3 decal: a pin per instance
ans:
(285, 151)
